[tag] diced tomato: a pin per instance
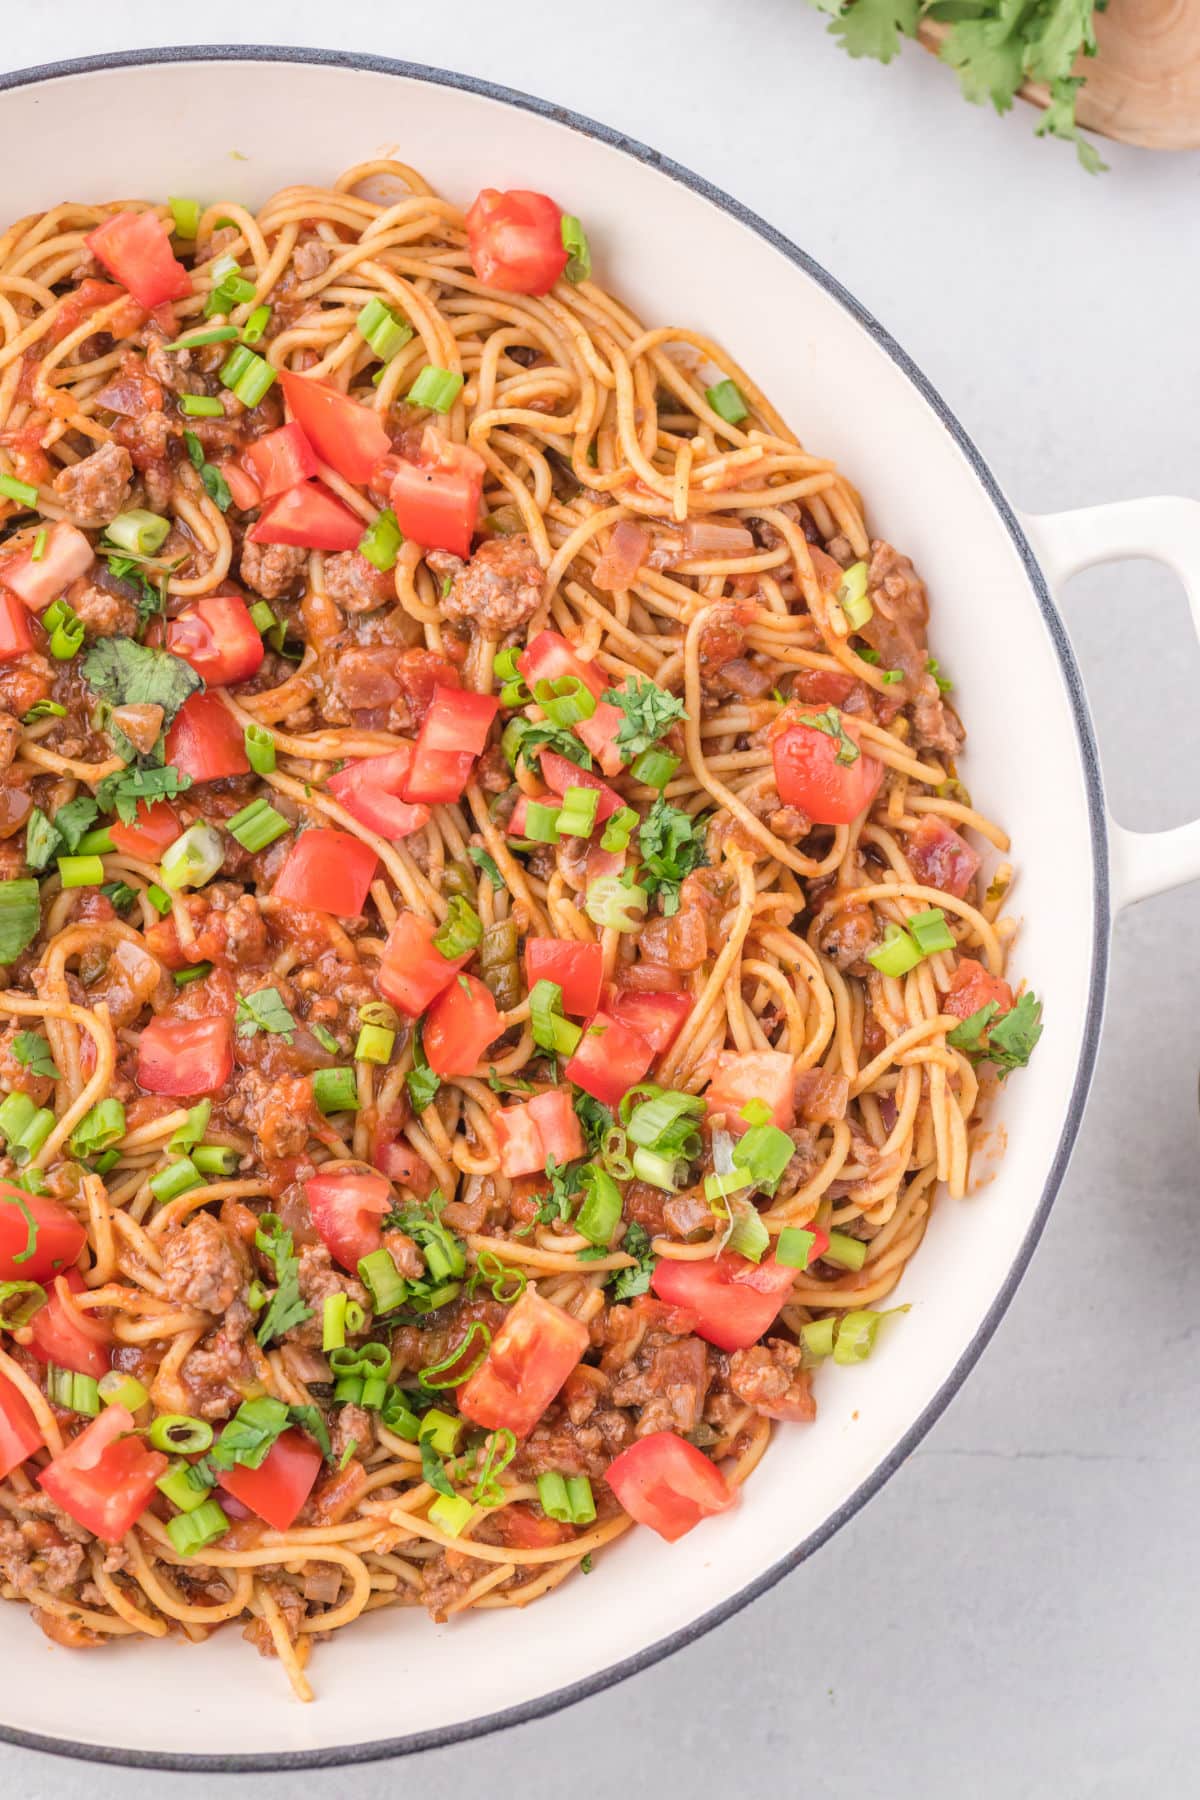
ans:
(218, 638)
(412, 970)
(86, 298)
(666, 1483)
(370, 790)
(348, 436)
(560, 773)
(458, 721)
(436, 499)
(185, 1056)
(66, 555)
(544, 1127)
(460, 1025)
(940, 858)
(521, 1529)
(280, 459)
(20, 1433)
(822, 687)
(58, 1338)
(548, 657)
(53, 1241)
(599, 733)
(438, 776)
(329, 871)
(346, 1209)
(105, 1477)
(153, 828)
(515, 240)
(135, 248)
(809, 776)
(658, 1017)
(745, 1075)
(15, 635)
(734, 1300)
(530, 1357)
(577, 968)
(278, 1488)
(610, 1059)
(399, 1161)
(972, 988)
(206, 741)
(309, 516)
(241, 484)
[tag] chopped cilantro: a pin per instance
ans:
(422, 1083)
(433, 1470)
(483, 861)
(33, 1053)
(129, 674)
(76, 817)
(627, 1284)
(286, 1306)
(122, 792)
(312, 1420)
(1009, 1043)
(830, 722)
(671, 847)
(649, 713)
(264, 1011)
(595, 1119)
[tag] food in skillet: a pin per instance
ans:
(497, 963)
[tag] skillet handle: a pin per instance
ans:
(1167, 530)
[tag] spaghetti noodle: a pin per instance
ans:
(496, 975)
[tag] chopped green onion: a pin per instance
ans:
(551, 1031)
(80, 871)
(380, 542)
(382, 1280)
(258, 825)
(186, 214)
(118, 1389)
(450, 1513)
(580, 1500)
(100, 1165)
(450, 1370)
(386, 334)
(846, 1252)
(764, 1152)
(333, 1322)
(177, 1178)
(618, 830)
(756, 1112)
(719, 1187)
(193, 858)
(856, 1334)
(23, 491)
(180, 1432)
(565, 701)
(79, 1393)
(666, 1121)
(726, 401)
(262, 618)
(600, 1213)
(375, 1044)
(139, 532)
(98, 1129)
(197, 972)
(794, 1247)
(260, 749)
(931, 931)
(817, 1335)
(461, 930)
(256, 1296)
(215, 1159)
(16, 1112)
(577, 815)
(747, 1236)
(442, 1430)
(159, 900)
(579, 255)
(437, 389)
(19, 1300)
(247, 375)
(897, 954)
(541, 822)
(36, 555)
(335, 1090)
(568, 1499)
(192, 1531)
(96, 843)
(609, 902)
(325, 1038)
(24, 1148)
(66, 639)
(187, 1484)
(654, 767)
(188, 1135)
(661, 1170)
(852, 596)
(216, 334)
(395, 1415)
(201, 406)
(256, 325)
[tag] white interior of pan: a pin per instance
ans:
(251, 128)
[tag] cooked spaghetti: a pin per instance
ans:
(497, 970)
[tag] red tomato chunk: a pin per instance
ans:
(666, 1483)
(530, 1357)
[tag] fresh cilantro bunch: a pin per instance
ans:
(993, 45)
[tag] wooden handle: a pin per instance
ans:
(1143, 87)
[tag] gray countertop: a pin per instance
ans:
(1015, 1614)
